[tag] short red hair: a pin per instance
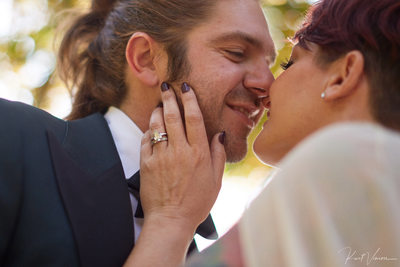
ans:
(373, 28)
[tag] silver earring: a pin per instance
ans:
(323, 95)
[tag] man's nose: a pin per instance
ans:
(259, 79)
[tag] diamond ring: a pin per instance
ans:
(157, 137)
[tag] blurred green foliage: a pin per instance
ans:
(23, 40)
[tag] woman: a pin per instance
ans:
(333, 130)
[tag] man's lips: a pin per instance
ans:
(248, 114)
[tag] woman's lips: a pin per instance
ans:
(268, 111)
(267, 105)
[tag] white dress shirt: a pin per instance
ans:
(127, 138)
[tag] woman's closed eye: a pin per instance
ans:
(285, 65)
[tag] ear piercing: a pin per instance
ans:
(323, 95)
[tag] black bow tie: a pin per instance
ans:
(206, 229)
(134, 188)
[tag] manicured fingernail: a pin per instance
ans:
(164, 86)
(221, 137)
(160, 105)
(185, 87)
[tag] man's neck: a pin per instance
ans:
(139, 107)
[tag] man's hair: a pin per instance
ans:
(92, 53)
(371, 27)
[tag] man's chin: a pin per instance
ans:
(236, 153)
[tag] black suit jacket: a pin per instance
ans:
(63, 195)
(64, 200)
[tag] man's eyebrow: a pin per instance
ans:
(244, 37)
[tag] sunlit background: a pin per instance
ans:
(28, 58)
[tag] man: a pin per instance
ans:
(63, 195)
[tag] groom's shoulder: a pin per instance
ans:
(17, 117)
(15, 110)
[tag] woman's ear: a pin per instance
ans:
(141, 55)
(345, 75)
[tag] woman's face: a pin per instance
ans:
(296, 107)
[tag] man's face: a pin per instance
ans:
(230, 55)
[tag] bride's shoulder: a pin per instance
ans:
(364, 131)
(347, 141)
(346, 153)
(334, 181)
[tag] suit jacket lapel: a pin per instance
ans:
(94, 191)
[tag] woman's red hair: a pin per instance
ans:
(373, 28)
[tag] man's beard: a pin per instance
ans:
(235, 146)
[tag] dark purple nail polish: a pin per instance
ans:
(160, 105)
(164, 86)
(185, 87)
(221, 137)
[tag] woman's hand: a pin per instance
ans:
(180, 180)
(180, 177)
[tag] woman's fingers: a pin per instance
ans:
(172, 116)
(157, 130)
(195, 129)
(145, 147)
(218, 156)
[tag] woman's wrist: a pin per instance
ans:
(167, 223)
(163, 241)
